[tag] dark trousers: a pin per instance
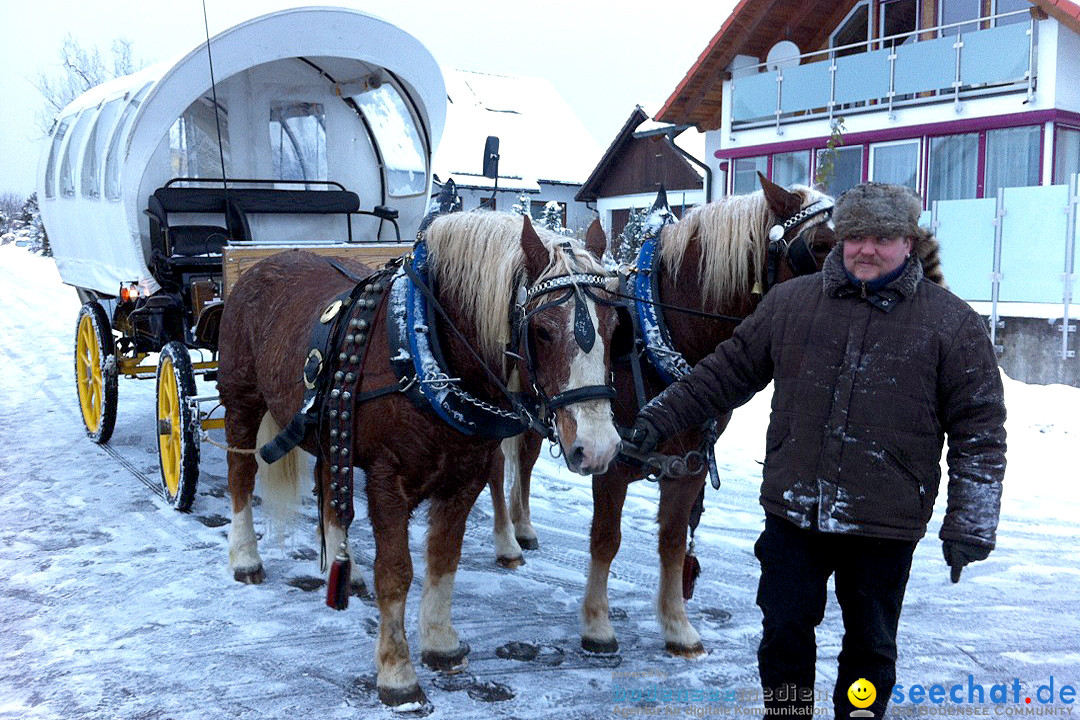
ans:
(871, 574)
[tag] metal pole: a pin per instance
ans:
(1067, 276)
(995, 275)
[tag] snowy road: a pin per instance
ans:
(112, 605)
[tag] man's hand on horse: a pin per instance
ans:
(644, 435)
(958, 554)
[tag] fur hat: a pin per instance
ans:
(877, 209)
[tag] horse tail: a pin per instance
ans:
(929, 251)
(280, 481)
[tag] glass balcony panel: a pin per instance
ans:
(806, 87)
(926, 65)
(1033, 244)
(995, 56)
(754, 97)
(966, 233)
(862, 77)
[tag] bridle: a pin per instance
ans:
(578, 286)
(788, 238)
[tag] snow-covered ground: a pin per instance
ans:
(112, 605)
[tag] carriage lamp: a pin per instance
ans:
(129, 292)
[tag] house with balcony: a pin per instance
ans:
(975, 104)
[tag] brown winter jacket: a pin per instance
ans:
(865, 389)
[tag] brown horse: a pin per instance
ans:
(715, 260)
(479, 264)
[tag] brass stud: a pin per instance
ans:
(344, 452)
(349, 338)
(338, 376)
(349, 377)
(333, 434)
(361, 338)
(333, 413)
(362, 324)
(334, 393)
(342, 357)
(345, 469)
(333, 469)
(346, 396)
(333, 448)
(369, 288)
(344, 415)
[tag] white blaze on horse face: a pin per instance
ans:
(592, 441)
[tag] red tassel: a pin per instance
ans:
(691, 568)
(337, 585)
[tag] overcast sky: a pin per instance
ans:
(602, 56)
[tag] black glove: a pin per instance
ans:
(644, 435)
(958, 554)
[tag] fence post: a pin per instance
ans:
(995, 274)
(1068, 277)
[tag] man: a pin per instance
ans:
(873, 364)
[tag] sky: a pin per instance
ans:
(603, 57)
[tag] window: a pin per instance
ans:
(953, 172)
(112, 156)
(1008, 6)
(398, 138)
(895, 162)
(298, 141)
(745, 178)
(1012, 158)
(1066, 154)
(957, 11)
(54, 151)
(841, 168)
(791, 168)
(193, 141)
(855, 28)
(72, 153)
(899, 17)
(95, 149)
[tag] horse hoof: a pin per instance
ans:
(405, 700)
(600, 647)
(360, 590)
(250, 577)
(689, 652)
(528, 543)
(452, 662)
(510, 563)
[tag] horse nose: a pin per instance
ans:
(593, 460)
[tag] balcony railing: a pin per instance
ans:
(958, 61)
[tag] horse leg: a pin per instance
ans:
(440, 647)
(676, 500)
(333, 535)
(528, 452)
(609, 494)
(389, 514)
(241, 430)
(507, 551)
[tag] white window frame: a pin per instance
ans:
(917, 142)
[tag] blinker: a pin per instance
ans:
(584, 332)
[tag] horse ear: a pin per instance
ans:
(537, 256)
(596, 240)
(784, 204)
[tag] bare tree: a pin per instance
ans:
(79, 70)
(11, 204)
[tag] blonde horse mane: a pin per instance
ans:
(733, 234)
(476, 258)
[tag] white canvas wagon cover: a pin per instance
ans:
(105, 156)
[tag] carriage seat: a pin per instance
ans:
(249, 201)
(187, 241)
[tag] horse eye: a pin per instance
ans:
(543, 335)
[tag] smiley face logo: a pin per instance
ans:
(862, 693)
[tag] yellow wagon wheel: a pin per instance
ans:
(95, 372)
(177, 426)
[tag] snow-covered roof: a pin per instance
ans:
(540, 137)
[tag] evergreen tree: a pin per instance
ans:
(523, 206)
(552, 218)
(29, 223)
(633, 233)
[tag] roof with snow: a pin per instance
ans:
(540, 137)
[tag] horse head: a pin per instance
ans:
(565, 324)
(802, 232)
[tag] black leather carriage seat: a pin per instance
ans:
(191, 243)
